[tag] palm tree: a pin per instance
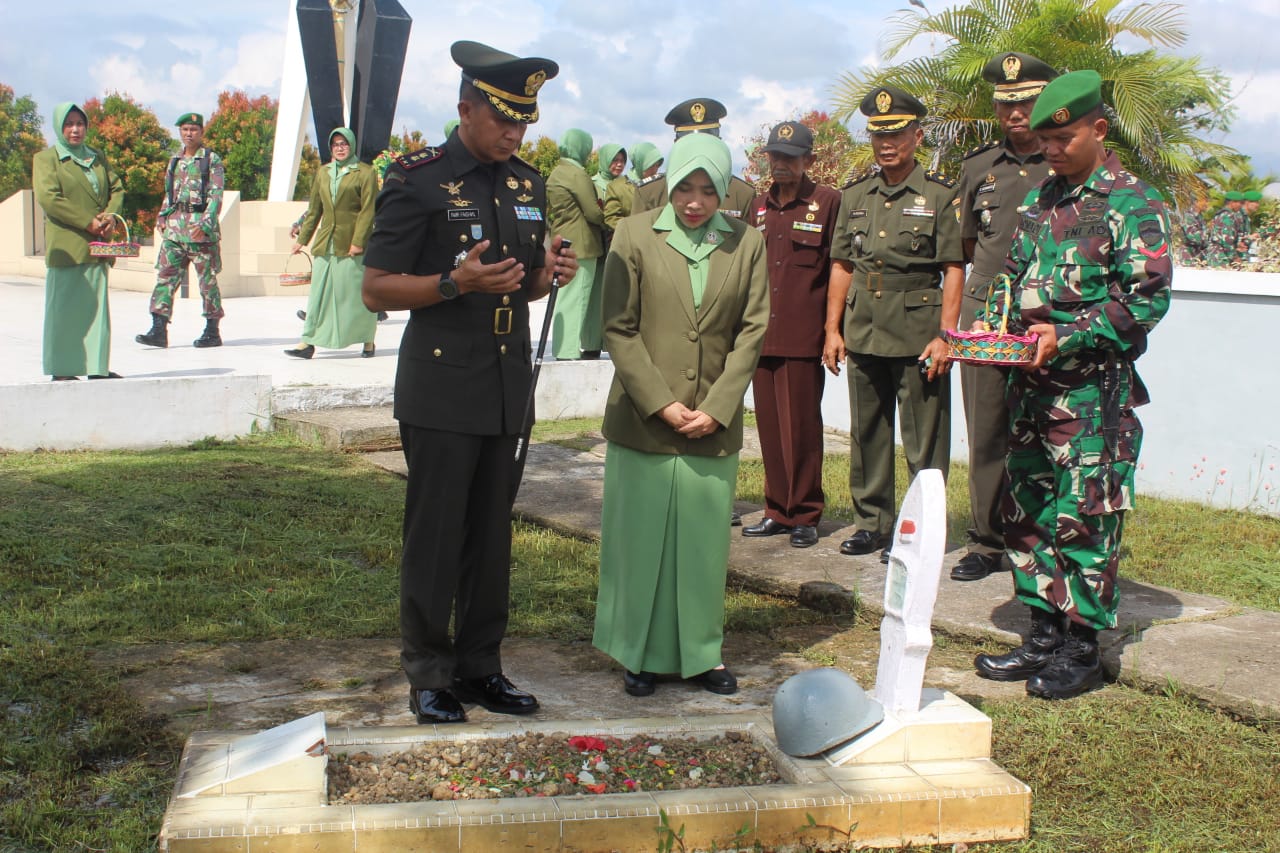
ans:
(1161, 106)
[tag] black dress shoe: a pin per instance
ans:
(590, 354)
(803, 536)
(302, 315)
(301, 352)
(735, 519)
(864, 542)
(719, 681)
(436, 706)
(496, 693)
(369, 351)
(767, 527)
(111, 374)
(974, 566)
(884, 557)
(638, 683)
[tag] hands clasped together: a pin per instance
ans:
(691, 423)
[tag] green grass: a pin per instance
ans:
(268, 539)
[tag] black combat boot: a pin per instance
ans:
(210, 336)
(159, 334)
(1035, 653)
(1076, 667)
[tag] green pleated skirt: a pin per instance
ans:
(77, 321)
(664, 553)
(336, 316)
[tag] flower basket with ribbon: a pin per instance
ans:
(126, 249)
(293, 279)
(993, 347)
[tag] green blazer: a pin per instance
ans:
(663, 350)
(70, 203)
(347, 219)
(573, 209)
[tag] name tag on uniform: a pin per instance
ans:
(857, 214)
(815, 227)
(917, 211)
(736, 214)
(986, 188)
(530, 213)
(462, 215)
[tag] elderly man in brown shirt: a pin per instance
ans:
(798, 219)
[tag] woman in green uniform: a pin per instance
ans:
(686, 302)
(80, 196)
(340, 216)
(612, 162)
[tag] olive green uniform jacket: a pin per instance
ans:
(348, 219)
(70, 204)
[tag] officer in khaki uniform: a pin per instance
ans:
(696, 115)
(896, 275)
(994, 180)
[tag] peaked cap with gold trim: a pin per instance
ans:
(1017, 76)
(697, 115)
(510, 83)
(889, 109)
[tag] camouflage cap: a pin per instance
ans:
(189, 118)
(1253, 195)
(1234, 195)
(889, 109)
(1067, 99)
(509, 82)
(790, 138)
(697, 115)
(1017, 76)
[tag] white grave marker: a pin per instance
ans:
(910, 590)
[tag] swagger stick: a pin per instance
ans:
(526, 422)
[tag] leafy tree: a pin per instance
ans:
(542, 154)
(242, 130)
(20, 140)
(138, 148)
(1161, 106)
(306, 171)
(833, 147)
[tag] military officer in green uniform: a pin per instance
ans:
(458, 241)
(696, 115)
(189, 224)
(896, 277)
(994, 179)
(1090, 273)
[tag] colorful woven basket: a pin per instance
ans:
(127, 249)
(992, 347)
(293, 279)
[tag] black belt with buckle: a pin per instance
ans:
(502, 321)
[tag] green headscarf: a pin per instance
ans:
(606, 154)
(449, 126)
(338, 168)
(575, 145)
(644, 156)
(700, 151)
(82, 153)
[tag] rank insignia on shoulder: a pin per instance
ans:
(986, 146)
(650, 180)
(858, 177)
(417, 158)
(940, 178)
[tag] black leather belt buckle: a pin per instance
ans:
(875, 280)
(502, 321)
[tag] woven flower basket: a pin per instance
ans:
(993, 347)
(127, 249)
(293, 279)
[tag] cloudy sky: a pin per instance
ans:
(623, 64)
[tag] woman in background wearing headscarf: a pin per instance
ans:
(611, 164)
(80, 196)
(646, 159)
(686, 302)
(573, 211)
(340, 216)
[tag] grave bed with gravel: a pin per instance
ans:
(548, 765)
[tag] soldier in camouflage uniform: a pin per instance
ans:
(1252, 201)
(1195, 232)
(1227, 232)
(1091, 273)
(188, 223)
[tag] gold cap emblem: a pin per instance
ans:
(786, 131)
(1062, 116)
(534, 83)
(698, 112)
(884, 101)
(1012, 67)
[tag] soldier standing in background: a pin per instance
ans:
(1091, 274)
(994, 180)
(896, 276)
(1226, 232)
(1195, 231)
(188, 223)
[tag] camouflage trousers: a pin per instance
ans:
(172, 257)
(1067, 492)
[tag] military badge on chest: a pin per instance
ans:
(455, 194)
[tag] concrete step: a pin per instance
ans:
(357, 429)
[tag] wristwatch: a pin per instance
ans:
(448, 288)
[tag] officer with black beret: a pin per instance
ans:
(696, 115)
(994, 179)
(458, 240)
(896, 274)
